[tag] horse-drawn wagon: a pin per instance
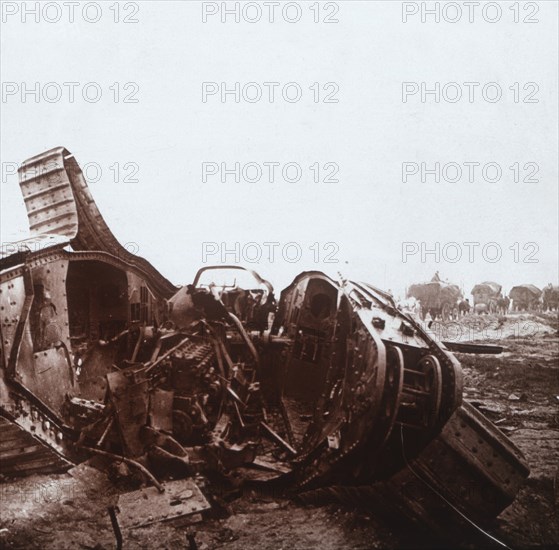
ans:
(486, 297)
(525, 297)
(550, 297)
(438, 298)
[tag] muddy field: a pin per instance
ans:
(518, 390)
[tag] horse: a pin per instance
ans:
(503, 305)
(481, 308)
(464, 307)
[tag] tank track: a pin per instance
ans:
(59, 202)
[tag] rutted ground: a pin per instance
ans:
(518, 390)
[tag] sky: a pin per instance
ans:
(373, 102)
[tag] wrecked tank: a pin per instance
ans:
(330, 385)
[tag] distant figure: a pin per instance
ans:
(436, 278)
(503, 304)
(464, 307)
(410, 306)
(429, 319)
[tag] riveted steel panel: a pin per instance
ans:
(148, 505)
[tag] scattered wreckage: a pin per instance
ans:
(330, 386)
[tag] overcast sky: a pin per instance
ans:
(351, 119)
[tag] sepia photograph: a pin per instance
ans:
(279, 275)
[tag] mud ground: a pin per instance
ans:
(518, 390)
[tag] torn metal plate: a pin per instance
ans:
(161, 409)
(146, 506)
(130, 399)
